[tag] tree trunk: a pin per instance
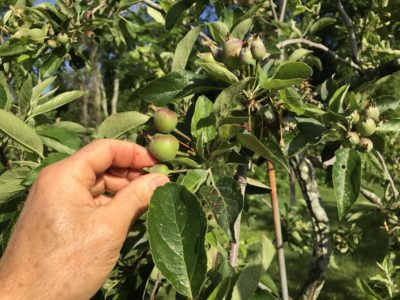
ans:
(321, 249)
(114, 99)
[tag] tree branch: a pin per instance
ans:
(278, 230)
(283, 10)
(350, 28)
(272, 5)
(318, 46)
(321, 250)
(387, 174)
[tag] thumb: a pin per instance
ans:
(130, 202)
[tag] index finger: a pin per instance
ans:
(100, 155)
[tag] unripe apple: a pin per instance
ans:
(353, 138)
(159, 168)
(37, 35)
(52, 44)
(373, 112)
(227, 131)
(206, 56)
(258, 49)
(366, 144)
(62, 38)
(245, 56)
(231, 53)
(164, 146)
(366, 127)
(165, 120)
(355, 117)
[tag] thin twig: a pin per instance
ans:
(153, 5)
(177, 131)
(352, 33)
(153, 292)
(387, 174)
(272, 5)
(278, 231)
(283, 10)
(318, 46)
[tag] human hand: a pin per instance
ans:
(68, 236)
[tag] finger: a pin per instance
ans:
(112, 183)
(130, 202)
(102, 200)
(97, 157)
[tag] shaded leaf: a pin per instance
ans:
(10, 189)
(226, 203)
(175, 12)
(269, 150)
(229, 99)
(53, 62)
(219, 31)
(321, 24)
(164, 90)
(242, 28)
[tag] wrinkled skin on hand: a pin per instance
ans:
(68, 237)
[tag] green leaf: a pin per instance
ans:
(194, 179)
(203, 120)
(226, 202)
(14, 49)
(389, 126)
(53, 62)
(118, 124)
(61, 135)
(270, 150)
(219, 31)
(310, 133)
(18, 131)
(336, 102)
(299, 54)
(25, 93)
(10, 189)
(217, 71)
(292, 100)
(346, 179)
(293, 70)
(321, 24)
(184, 48)
(70, 126)
(175, 12)
(183, 161)
(250, 276)
(176, 227)
(164, 90)
(229, 99)
(38, 90)
(5, 94)
(56, 145)
(156, 15)
(56, 102)
(242, 28)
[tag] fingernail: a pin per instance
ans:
(159, 181)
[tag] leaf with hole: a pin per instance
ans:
(346, 177)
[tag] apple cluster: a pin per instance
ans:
(163, 145)
(235, 53)
(363, 126)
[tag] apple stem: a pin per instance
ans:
(177, 131)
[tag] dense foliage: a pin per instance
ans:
(240, 102)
